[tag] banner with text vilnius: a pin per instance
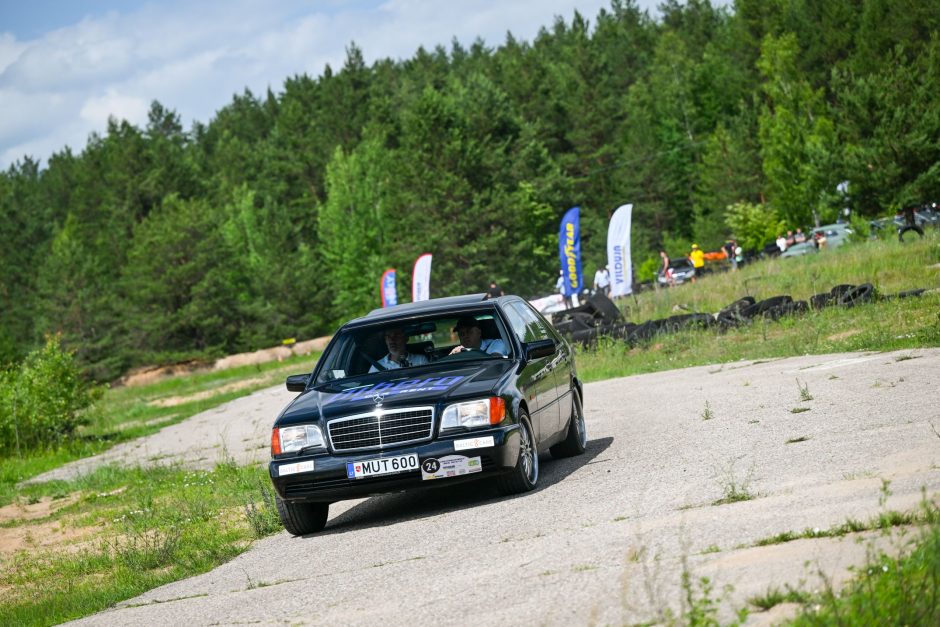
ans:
(569, 249)
(388, 292)
(421, 279)
(618, 252)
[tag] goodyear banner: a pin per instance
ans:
(569, 249)
(618, 252)
(388, 292)
(421, 279)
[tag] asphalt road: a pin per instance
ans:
(606, 536)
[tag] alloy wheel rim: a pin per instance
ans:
(529, 460)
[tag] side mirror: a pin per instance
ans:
(540, 348)
(297, 382)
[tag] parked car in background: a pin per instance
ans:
(798, 250)
(835, 234)
(680, 270)
(483, 386)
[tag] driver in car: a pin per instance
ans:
(398, 355)
(471, 338)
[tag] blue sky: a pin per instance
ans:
(66, 66)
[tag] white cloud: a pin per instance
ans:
(193, 57)
(98, 109)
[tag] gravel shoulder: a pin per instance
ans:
(605, 536)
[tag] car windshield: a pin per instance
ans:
(415, 343)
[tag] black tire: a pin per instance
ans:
(787, 309)
(820, 301)
(645, 331)
(581, 322)
(750, 311)
(605, 307)
(730, 320)
(772, 302)
(839, 290)
(525, 475)
(585, 337)
(774, 313)
(857, 295)
(576, 440)
(302, 518)
(701, 321)
(737, 306)
(622, 331)
(911, 293)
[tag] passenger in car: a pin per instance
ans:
(471, 338)
(398, 356)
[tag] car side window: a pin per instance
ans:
(517, 323)
(534, 328)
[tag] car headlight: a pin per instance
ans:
(481, 413)
(290, 439)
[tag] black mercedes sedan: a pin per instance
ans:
(426, 394)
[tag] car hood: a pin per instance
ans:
(417, 386)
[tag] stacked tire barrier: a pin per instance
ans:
(599, 316)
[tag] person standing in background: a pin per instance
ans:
(560, 288)
(494, 290)
(666, 270)
(602, 281)
(697, 257)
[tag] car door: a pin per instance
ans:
(536, 381)
(537, 329)
(562, 365)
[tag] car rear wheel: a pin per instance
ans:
(302, 518)
(576, 440)
(525, 475)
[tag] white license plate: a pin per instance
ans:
(382, 466)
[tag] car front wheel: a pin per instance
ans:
(525, 475)
(302, 518)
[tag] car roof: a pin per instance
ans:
(457, 304)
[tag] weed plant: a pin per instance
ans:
(901, 590)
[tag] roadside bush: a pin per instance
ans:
(42, 401)
(753, 225)
(861, 229)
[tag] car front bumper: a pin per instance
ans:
(328, 481)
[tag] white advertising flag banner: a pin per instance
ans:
(618, 252)
(421, 279)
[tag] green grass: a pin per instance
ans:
(901, 590)
(898, 589)
(146, 527)
(880, 326)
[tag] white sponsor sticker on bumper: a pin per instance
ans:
(293, 469)
(463, 445)
(449, 466)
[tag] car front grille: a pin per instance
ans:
(381, 428)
